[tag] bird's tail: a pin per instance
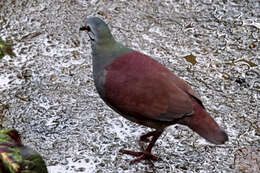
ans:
(203, 124)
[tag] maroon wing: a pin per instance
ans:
(136, 85)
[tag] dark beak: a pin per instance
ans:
(84, 28)
(87, 28)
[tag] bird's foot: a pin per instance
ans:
(144, 139)
(144, 155)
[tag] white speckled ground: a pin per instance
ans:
(59, 113)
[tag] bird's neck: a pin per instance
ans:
(104, 55)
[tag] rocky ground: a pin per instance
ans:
(47, 91)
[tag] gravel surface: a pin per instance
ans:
(47, 92)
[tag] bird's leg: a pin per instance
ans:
(145, 154)
(144, 138)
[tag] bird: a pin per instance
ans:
(142, 90)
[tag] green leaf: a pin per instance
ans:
(6, 49)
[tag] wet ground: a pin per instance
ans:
(47, 91)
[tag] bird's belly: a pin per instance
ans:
(145, 122)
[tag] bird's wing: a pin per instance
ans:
(136, 85)
(185, 87)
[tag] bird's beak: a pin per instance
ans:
(90, 33)
(84, 28)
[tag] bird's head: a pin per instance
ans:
(98, 31)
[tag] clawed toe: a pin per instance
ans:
(134, 153)
(145, 155)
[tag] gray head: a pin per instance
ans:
(98, 31)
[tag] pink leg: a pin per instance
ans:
(145, 154)
(145, 137)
